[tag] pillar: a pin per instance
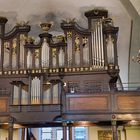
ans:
(70, 132)
(114, 130)
(23, 134)
(10, 129)
(64, 131)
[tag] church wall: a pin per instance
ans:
(4, 134)
(93, 132)
(134, 42)
(133, 133)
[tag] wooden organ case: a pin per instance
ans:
(65, 77)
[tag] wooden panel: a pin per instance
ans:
(14, 108)
(35, 108)
(88, 103)
(128, 102)
(3, 105)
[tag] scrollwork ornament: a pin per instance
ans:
(69, 34)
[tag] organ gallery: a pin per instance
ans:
(64, 79)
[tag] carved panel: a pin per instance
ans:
(88, 103)
(3, 105)
(128, 102)
(92, 86)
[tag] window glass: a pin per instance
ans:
(79, 133)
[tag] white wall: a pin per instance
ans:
(93, 132)
(133, 133)
(4, 134)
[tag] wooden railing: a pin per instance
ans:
(123, 104)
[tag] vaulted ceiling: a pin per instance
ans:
(123, 12)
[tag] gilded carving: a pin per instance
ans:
(6, 45)
(77, 43)
(107, 135)
(69, 34)
(14, 46)
(36, 53)
(22, 37)
(54, 52)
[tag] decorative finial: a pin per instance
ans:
(22, 23)
(45, 26)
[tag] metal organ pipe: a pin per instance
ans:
(69, 50)
(94, 49)
(61, 57)
(97, 45)
(102, 50)
(110, 49)
(55, 93)
(6, 54)
(32, 91)
(0, 49)
(45, 54)
(22, 43)
(35, 91)
(38, 91)
(29, 59)
(85, 50)
(92, 41)
(16, 94)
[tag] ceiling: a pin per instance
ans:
(36, 11)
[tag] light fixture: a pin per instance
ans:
(137, 58)
(134, 122)
(83, 123)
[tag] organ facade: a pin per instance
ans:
(63, 79)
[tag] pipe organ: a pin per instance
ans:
(77, 51)
(93, 47)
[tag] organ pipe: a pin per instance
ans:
(22, 43)
(29, 59)
(85, 50)
(6, 54)
(45, 54)
(16, 95)
(61, 57)
(69, 49)
(0, 49)
(92, 42)
(55, 93)
(37, 58)
(110, 50)
(77, 50)
(35, 91)
(97, 45)
(102, 51)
